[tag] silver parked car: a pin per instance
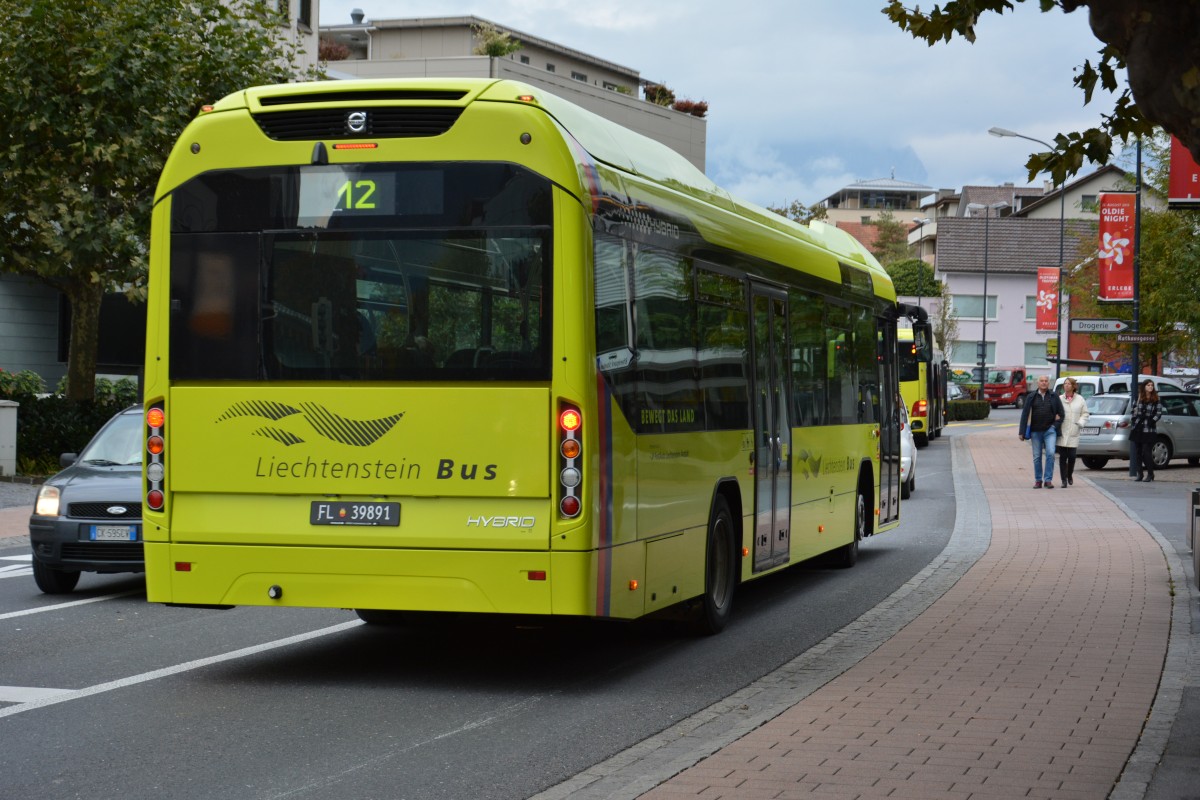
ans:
(1106, 435)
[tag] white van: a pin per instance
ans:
(1117, 383)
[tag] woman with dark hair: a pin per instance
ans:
(1143, 428)
(1075, 416)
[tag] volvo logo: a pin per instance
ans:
(116, 511)
(356, 122)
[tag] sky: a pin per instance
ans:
(808, 96)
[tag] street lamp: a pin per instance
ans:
(1062, 226)
(921, 222)
(987, 215)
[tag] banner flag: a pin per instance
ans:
(1184, 187)
(1117, 220)
(1047, 299)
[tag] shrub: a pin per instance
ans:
(967, 409)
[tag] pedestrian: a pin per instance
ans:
(1040, 418)
(1143, 428)
(1075, 416)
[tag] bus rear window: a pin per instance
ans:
(457, 289)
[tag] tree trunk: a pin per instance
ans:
(84, 297)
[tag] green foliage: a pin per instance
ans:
(50, 426)
(122, 391)
(659, 95)
(1071, 150)
(798, 212)
(891, 242)
(20, 385)
(94, 96)
(914, 277)
(494, 42)
(957, 410)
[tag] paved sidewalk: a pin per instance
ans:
(1032, 673)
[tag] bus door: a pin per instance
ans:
(772, 429)
(889, 423)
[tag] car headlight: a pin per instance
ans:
(47, 502)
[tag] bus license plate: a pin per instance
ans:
(112, 533)
(1089, 431)
(365, 513)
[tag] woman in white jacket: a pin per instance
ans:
(1075, 414)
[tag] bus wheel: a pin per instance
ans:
(720, 572)
(846, 556)
(54, 581)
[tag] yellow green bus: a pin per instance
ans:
(430, 345)
(922, 376)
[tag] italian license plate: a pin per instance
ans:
(1089, 431)
(324, 512)
(113, 533)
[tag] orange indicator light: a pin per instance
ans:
(355, 146)
(155, 418)
(633, 584)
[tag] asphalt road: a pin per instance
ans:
(112, 697)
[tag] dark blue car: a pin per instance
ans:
(88, 518)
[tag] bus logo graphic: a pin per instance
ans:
(333, 426)
(356, 122)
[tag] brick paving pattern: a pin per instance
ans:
(1031, 677)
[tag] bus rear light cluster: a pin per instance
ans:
(921, 408)
(156, 468)
(570, 451)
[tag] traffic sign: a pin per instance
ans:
(1098, 325)
(1139, 338)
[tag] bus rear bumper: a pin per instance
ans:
(472, 581)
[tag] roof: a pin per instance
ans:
(1108, 170)
(889, 184)
(1015, 245)
(990, 195)
(865, 233)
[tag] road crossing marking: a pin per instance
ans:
(27, 694)
(21, 569)
(166, 672)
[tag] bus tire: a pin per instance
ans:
(54, 581)
(846, 556)
(720, 571)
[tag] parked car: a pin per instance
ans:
(954, 391)
(88, 518)
(908, 456)
(1117, 383)
(1106, 435)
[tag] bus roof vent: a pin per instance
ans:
(359, 122)
(360, 96)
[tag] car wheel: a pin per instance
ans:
(905, 490)
(1094, 462)
(1160, 452)
(54, 581)
(1020, 401)
(720, 572)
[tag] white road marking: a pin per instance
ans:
(26, 612)
(166, 672)
(27, 694)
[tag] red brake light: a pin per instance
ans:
(155, 445)
(570, 420)
(154, 499)
(569, 506)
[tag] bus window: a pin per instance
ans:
(723, 326)
(665, 329)
(809, 358)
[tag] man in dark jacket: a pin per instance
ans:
(1040, 418)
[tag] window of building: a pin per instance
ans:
(1035, 353)
(1030, 306)
(524, 59)
(967, 352)
(304, 14)
(549, 67)
(579, 76)
(1090, 202)
(970, 306)
(612, 87)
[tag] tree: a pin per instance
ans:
(1168, 271)
(798, 212)
(891, 239)
(1156, 41)
(494, 42)
(913, 277)
(945, 325)
(94, 95)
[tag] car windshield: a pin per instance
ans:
(1109, 406)
(119, 444)
(999, 376)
